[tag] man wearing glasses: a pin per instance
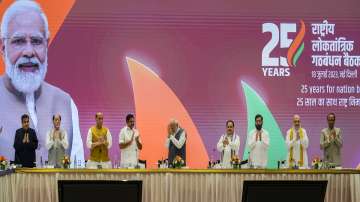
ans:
(24, 46)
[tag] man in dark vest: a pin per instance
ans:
(176, 141)
(25, 143)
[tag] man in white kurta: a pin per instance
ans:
(130, 144)
(228, 145)
(258, 144)
(297, 142)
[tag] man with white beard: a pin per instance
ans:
(24, 46)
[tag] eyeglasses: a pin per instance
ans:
(20, 42)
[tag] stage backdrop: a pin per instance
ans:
(203, 62)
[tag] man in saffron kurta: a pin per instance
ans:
(99, 141)
(297, 142)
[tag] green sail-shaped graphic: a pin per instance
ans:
(256, 105)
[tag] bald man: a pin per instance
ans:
(297, 143)
(23, 90)
(99, 142)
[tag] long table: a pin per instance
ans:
(175, 185)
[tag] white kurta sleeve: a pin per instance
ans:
(252, 140)
(49, 141)
(137, 134)
(338, 139)
(122, 136)
(220, 146)
(178, 143)
(89, 139)
(109, 139)
(305, 140)
(64, 141)
(265, 139)
(235, 145)
(167, 142)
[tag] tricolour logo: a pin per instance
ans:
(279, 66)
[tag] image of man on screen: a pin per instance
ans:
(23, 89)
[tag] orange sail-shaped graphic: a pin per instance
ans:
(155, 105)
(56, 11)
